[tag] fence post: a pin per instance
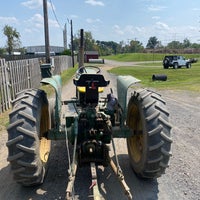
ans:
(4, 86)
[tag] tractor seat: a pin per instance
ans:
(91, 80)
(90, 85)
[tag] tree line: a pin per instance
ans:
(135, 46)
(103, 47)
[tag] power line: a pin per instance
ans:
(55, 14)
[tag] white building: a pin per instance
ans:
(41, 49)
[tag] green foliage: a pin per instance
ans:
(13, 38)
(175, 45)
(67, 75)
(152, 42)
(133, 46)
(2, 51)
(89, 42)
(66, 52)
(179, 79)
(107, 48)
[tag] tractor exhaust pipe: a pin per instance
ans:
(81, 49)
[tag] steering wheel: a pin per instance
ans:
(83, 69)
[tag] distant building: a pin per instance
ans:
(90, 55)
(54, 50)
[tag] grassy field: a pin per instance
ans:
(177, 79)
(130, 57)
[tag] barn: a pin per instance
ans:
(90, 55)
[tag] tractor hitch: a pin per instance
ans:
(96, 195)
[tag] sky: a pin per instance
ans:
(107, 20)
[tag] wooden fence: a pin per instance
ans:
(19, 75)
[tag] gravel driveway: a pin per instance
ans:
(181, 181)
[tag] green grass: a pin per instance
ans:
(179, 79)
(4, 118)
(68, 74)
(132, 57)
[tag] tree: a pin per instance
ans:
(13, 38)
(2, 51)
(66, 52)
(153, 42)
(89, 42)
(135, 46)
(186, 43)
(175, 45)
(107, 48)
(195, 46)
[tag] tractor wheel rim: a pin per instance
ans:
(136, 142)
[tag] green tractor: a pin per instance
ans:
(89, 123)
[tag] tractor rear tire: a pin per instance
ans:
(149, 147)
(28, 147)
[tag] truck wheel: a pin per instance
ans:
(28, 147)
(175, 65)
(188, 65)
(149, 147)
(166, 63)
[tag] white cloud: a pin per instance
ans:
(193, 28)
(37, 21)
(156, 17)
(91, 21)
(118, 30)
(33, 4)
(28, 30)
(53, 23)
(129, 29)
(156, 8)
(94, 3)
(196, 9)
(139, 29)
(73, 16)
(162, 26)
(8, 20)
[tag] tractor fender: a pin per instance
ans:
(56, 83)
(123, 83)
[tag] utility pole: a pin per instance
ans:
(72, 43)
(65, 36)
(46, 31)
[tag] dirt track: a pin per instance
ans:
(181, 180)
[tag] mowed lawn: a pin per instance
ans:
(177, 79)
